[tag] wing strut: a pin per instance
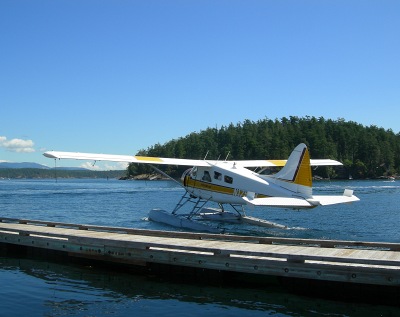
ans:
(166, 175)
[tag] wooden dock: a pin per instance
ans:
(348, 262)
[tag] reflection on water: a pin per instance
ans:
(53, 289)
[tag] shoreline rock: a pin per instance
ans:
(147, 177)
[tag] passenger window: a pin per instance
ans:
(217, 176)
(228, 179)
(206, 176)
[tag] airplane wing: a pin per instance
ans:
(281, 163)
(124, 158)
(173, 161)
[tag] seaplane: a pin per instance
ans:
(232, 183)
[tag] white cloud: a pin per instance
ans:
(90, 166)
(17, 145)
(100, 166)
(116, 166)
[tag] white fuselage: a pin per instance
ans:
(228, 183)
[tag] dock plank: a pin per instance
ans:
(345, 262)
(227, 247)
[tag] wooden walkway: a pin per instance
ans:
(326, 260)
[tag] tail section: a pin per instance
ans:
(296, 174)
(296, 180)
(297, 169)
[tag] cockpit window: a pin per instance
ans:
(228, 179)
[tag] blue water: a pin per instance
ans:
(40, 288)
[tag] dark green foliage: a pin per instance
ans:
(366, 152)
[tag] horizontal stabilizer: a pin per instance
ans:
(285, 202)
(298, 203)
(322, 200)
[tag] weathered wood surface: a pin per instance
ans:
(343, 261)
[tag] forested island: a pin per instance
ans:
(365, 151)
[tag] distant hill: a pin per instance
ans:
(41, 173)
(22, 165)
(34, 170)
(12, 165)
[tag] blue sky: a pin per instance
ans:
(119, 76)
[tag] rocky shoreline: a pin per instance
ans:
(147, 177)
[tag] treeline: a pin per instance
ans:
(35, 173)
(366, 152)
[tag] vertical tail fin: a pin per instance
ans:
(296, 174)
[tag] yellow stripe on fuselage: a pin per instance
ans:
(198, 184)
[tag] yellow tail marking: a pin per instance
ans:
(303, 173)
